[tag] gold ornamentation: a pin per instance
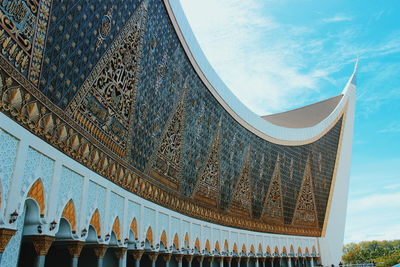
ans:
(176, 241)
(273, 205)
(75, 248)
(167, 162)
(152, 255)
(136, 254)
(178, 257)
(189, 258)
(120, 252)
(69, 214)
(163, 239)
(134, 227)
(208, 184)
(149, 236)
(305, 213)
(95, 222)
(116, 229)
(5, 237)
(100, 250)
(104, 104)
(37, 193)
(241, 198)
(167, 257)
(42, 243)
(104, 28)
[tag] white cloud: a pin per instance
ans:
(337, 18)
(393, 127)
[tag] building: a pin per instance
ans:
(120, 146)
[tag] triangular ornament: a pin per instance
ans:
(305, 213)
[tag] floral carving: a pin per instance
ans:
(273, 205)
(305, 212)
(208, 184)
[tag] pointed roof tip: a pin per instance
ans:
(356, 65)
(354, 76)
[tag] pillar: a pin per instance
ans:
(153, 257)
(220, 260)
(244, 261)
(167, 258)
(312, 262)
(200, 260)
(210, 259)
(228, 260)
(42, 244)
(74, 249)
(100, 251)
(5, 237)
(120, 252)
(238, 260)
(178, 258)
(137, 255)
(256, 261)
(189, 259)
(289, 262)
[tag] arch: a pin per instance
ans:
(208, 246)
(291, 249)
(197, 244)
(187, 243)
(268, 250)
(284, 250)
(235, 249)
(313, 249)
(226, 245)
(163, 239)
(37, 193)
(176, 241)
(95, 222)
(69, 214)
(260, 249)
(134, 228)
(244, 248)
(149, 236)
(252, 250)
(276, 250)
(307, 252)
(116, 229)
(299, 251)
(217, 248)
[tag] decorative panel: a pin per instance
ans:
(8, 153)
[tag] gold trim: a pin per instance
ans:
(333, 183)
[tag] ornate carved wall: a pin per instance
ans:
(108, 83)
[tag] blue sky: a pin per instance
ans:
(277, 55)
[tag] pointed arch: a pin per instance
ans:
(134, 228)
(226, 245)
(149, 236)
(95, 222)
(307, 252)
(197, 244)
(244, 248)
(291, 249)
(176, 241)
(69, 214)
(37, 193)
(116, 228)
(217, 248)
(187, 243)
(260, 249)
(208, 246)
(314, 250)
(252, 250)
(235, 249)
(276, 250)
(163, 239)
(299, 251)
(268, 250)
(284, 250)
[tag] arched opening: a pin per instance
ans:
(88, 257)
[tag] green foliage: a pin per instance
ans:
(385, 252)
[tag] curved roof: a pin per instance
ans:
(306, 116)
(272, 130)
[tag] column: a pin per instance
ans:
(137, 255)
(210, 259)
(153, 257)
(5, 237)
(200, 260)
(167, 258)
(121, 254)
(220, 260)
(100, 251)
(244, 261)
(238, 260)
(189, 259)
(289, 262)
(312, 262)
(74, 249)
(178, 258)
(256, 261)
(42, 244)
(228, 260)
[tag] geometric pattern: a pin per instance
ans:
(37, 193)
